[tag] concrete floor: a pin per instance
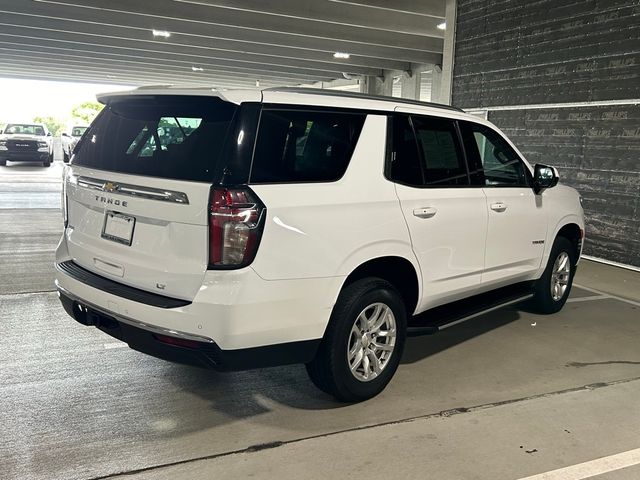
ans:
(508, 395)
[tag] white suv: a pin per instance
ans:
(244, 229)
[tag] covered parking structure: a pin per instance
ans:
(510, 394)
(231, 44)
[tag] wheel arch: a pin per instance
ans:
(399, 271)
(574, 233)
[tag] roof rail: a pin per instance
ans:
(342, 93)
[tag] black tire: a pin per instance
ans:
(543, 300)
(46, 164)
(330, 370)
(3, 163)
(65, 156)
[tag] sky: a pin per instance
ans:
(21, 100)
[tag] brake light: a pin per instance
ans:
(235, 226)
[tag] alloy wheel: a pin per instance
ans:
(371, 342)
(560, 276)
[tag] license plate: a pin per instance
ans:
(118, 227)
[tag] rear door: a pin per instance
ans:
(517, 225)
(446, 216)
(138, 190)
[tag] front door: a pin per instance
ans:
(517, 220)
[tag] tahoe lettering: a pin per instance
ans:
(111, 201)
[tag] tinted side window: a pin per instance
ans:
(304, 146)
(499, 162)
(444, 164)
(405, 163)
(427, 153)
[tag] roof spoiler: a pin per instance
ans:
(226, 95)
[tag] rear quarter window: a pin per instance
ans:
(304, 146)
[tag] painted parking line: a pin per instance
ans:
(591, 468)
(599, 292)
(109, 346)
(588, 299)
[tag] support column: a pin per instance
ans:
(436, 84)
(378, 85)
(411, 85)
(447, 54)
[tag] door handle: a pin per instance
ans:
(498, 207)
(425, 212)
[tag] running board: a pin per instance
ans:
(445, 316)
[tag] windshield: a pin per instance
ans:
(177, 137)
(24, 129)
(78, 131)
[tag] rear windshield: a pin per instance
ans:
(165, 136)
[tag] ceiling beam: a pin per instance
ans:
(427, 8)
(234, 42)
(241, 20)
(131, 52)
(389, 19)
(54, 54)
(144, 70)
(198, 35)
(47, 37)
(46, 71)
(228, 36)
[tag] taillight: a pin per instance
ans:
(235, 226)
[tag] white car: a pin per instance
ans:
(69, 141)
(26, 142)
(245, 229)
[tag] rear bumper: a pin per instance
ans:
(185, 348)
(83, 275)
(241, 314)
(236, 309)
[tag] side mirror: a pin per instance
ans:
(65, 134)
(48, 134)
(544, 177)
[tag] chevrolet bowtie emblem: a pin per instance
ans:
(110, 187)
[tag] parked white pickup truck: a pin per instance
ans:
(21, 142)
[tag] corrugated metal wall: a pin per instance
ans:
(573, 57)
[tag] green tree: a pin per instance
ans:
(55, 125)
(85, 112)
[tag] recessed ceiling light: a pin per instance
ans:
(161, 33)
(341, 55)
(197, 69)
(442, 26)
